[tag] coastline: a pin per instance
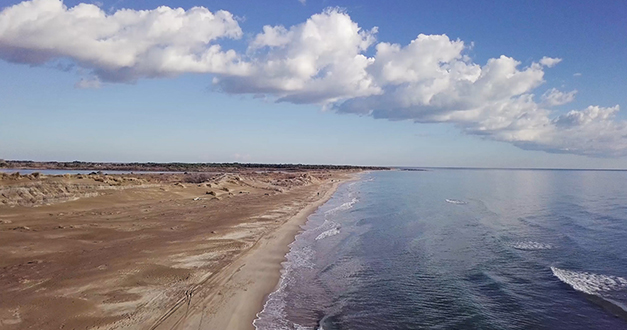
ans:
(149, 251)
(243, 286)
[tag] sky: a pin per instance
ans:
(402, 83)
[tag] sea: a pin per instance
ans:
(460, 249)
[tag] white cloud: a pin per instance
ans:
(318, 61)
(303, 2)
(554, 97)
(550, 62)
(431, 80)
(327, 60)
(591, 114)
(123, 46)
(577, 74)
(593, 131)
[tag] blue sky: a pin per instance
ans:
(202, 113)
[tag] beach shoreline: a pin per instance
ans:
(247, 282)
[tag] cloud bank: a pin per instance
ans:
(327, 60)
(121, 47)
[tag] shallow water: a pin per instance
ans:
(460, 249)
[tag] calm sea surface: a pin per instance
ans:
(460, 249)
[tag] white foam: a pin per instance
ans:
(273, 311)
(589, 283)
(328, 233)
(343, 207)
(531, 245)
(456, 201)
(326, 224)
(302, 327)
(300, 257)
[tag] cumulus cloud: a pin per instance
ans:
(430, 79)
(318, 61)
(550, 62)
(554, 97)
(123, 46)
(592, 132)
(327, 60)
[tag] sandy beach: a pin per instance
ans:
(149, 251)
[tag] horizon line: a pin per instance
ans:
(330, 164)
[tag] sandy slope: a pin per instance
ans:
(147, 252)
(232, 299)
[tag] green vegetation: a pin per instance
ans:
(174, 167)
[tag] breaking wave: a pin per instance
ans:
(456, 201)
(274, 307)
(301, 260)
(530, 245)
(593, 284)
(343, 207)
(328, 233)
(606, 291)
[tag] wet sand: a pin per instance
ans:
(149, 252)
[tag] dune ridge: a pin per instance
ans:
(148, 251)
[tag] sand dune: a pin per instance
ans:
(148, 251)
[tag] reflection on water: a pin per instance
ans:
(460, 249)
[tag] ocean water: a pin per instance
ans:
(460, 249)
